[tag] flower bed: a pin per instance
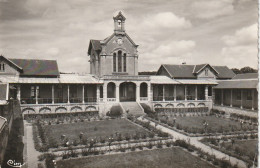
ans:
(242, 147)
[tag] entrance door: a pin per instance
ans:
(127, 91)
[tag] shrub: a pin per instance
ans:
(159, 145)
(84, 152)
(151, 135)
(49, 160)
(150, 145)
(133, 148)
(147, 109)
(53, 143)
(140, 147)
(115, 111)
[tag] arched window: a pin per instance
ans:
(124, 62)
(119, 61)
(114, 62)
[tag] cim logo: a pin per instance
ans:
(12, 163)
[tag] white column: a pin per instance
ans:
(98, 93)
(117, 92)
(19, 92)
(151, 93)
(253, 97)
(241, 105)
(52, 94)
(163, 93)
(185, 92)
(148, 91)
(196, 92)
(175, 92)
(68, 94)
(206, 93)
(104, 92)
(231, 97)
(83, 93)
(137, 92)
(37, 92)
(222, 95)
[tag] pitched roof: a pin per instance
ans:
(246, 76)
(198, 67)
(2, 123)
(237, 84)
(95, 44)
(224, 72)
(32, 67)
(119, 16)
(180, 71)
(11, 63)
(188, 71)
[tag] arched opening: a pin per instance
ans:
(143, 89)
(127, 91)
(111, 90)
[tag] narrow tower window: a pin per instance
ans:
(124, 62)
(119, 61)
(114, 62)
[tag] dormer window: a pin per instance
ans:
(2, 67)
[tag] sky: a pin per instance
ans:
(218, 32)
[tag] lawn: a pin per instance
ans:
(93, 129)
(244, 148)
(159, 158)
(215, 124)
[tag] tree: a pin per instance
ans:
(236, 71)
(248, 70)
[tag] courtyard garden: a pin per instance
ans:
(202, 124)
(163, 158)
(102, 132)
(243, 147)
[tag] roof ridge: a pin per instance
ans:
(32, 59)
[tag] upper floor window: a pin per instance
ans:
(206, 72)
(119, 61)
(114, 62)
(124, 62)
(2, 67)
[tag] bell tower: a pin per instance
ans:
(119, 23)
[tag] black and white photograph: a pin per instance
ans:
(129, 83)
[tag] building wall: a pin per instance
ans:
(111, 47)
(8, 69)
(162, 71)
(236, 98)
(203, 75)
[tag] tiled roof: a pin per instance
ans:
(188, 71)
(224, 72)
(237, 84)
(31, 67)
(162, 80)
(95, 44)
(2, 123)
(63, 79)
(246, 76)
(180, 71)
(198, 67)
(80, 79)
